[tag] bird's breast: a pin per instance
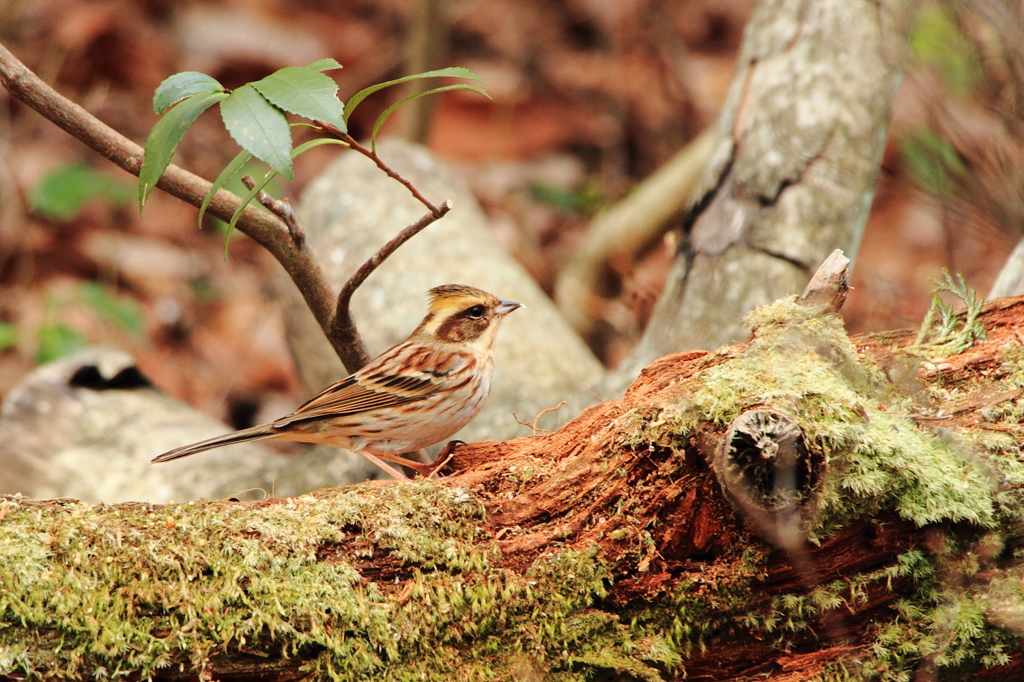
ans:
(434, 419)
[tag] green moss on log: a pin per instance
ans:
(402, 582)
(110, 591)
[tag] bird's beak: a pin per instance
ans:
(505, 307)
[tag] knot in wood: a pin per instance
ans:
(763, 464)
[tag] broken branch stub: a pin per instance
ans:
(766, 470)
(829, 285)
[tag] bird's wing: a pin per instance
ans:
(406, 373)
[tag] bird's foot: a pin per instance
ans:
(426, 470)
(444, 457)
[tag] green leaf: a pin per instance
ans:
(450, 72)
(259, 127)
(585, 199)
(933, 161)
(182, 85)
(230, 171)
(65, 191)
(203, 289)
(8, 336)
(306, 146)
(56, 341)
(939, 43)
(166, 135)
(325, 64)
(390, 110)
(306, 92)
(246, 200)
(120, 310)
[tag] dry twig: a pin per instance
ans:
(537, 418)
(353, 352)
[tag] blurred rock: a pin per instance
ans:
(211, 35)
(86, 426)
(353, 208)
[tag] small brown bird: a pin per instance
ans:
(416, 394)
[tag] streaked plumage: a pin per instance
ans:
(416, 394)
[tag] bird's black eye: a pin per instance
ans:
(476, 312)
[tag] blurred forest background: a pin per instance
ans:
(589, 98)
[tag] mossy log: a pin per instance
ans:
(886, 541)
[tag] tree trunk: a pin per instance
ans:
(799, 506)
(792, 175)
(1010, 281)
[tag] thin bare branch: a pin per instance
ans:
(588, 281)
(343, 334)
(435, 210)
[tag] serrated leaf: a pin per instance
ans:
(246, 200)
(450, 72)
(325, 64)
(230, 171)
(164, 138)
(259, 127)
(182, 85)
(390, 110)
(306, 92)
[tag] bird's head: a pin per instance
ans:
(462, 314)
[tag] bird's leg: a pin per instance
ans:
(384, 466)
(419, 467)
(425, 470)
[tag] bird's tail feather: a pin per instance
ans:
(260, 432)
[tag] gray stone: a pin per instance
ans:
(86, 426)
